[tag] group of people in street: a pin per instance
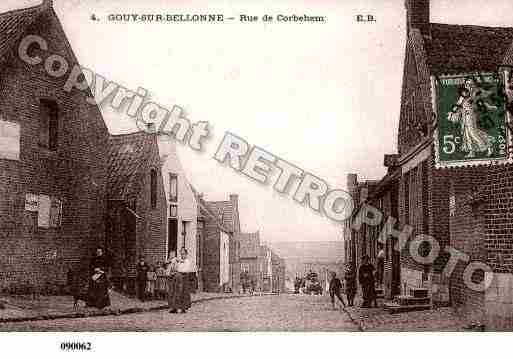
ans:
(366, 279)
(175, 280)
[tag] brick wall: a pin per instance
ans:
(73, 173)
(499, 219)
(211, 256)
(467, 235)
(152, 227)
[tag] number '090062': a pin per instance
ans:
(72, 346)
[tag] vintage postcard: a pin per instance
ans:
(289, 166)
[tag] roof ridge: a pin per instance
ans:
(472, 25)
(30, 8)
(130, 134)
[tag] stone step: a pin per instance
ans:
(411, 300)
(419, 292)
(393, 307)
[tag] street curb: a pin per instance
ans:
(111, 312)
(358, 322)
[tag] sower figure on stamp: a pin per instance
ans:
(334, 288)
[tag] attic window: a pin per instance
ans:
(48, 124)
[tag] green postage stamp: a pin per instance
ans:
(472, 121)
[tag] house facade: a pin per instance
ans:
(52, 185)
(220, 246)
(278, 273)
(136, 207)
(182, 206)
(251, 258)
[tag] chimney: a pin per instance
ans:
(417, 16)
(352, 182)
(234, 199)
(48, 4)
(390, 161)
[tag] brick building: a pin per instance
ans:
(356, 243)
(266, 268)
(221, 267)
(278, 273)
(464, 206)
(366, 240)
(136, 208)
(52, 183)
(250, 257)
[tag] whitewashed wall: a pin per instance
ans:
(187, 205)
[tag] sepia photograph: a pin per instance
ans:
(300, 167)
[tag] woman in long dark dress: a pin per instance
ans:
(98, 290)
(366, 279)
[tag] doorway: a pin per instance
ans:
(172, 235)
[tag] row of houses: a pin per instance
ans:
(452, 177)
(68, 186)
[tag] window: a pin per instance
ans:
(173, 210)
(153, 188)
(48, 124)
(244, 267)
(173, 187)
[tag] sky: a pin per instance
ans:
(324, 96)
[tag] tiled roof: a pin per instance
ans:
(249, 244)
(13, 24)
(466, 48)
(224, 208)
(127, 155)
(508, 58)
(205, 212)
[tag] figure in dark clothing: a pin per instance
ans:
(100, 260)
(335, 287)
(98, 290)
(141, 278)
(380, 264)
(350, 279)
(366, 279)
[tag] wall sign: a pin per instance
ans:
(31, 202)
(472, 121)
(43, 218)
(9, 140)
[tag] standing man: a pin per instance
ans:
(334, 289)
(367, 281)
(350, 279)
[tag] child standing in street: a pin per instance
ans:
(160, 289)
(151, 282)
